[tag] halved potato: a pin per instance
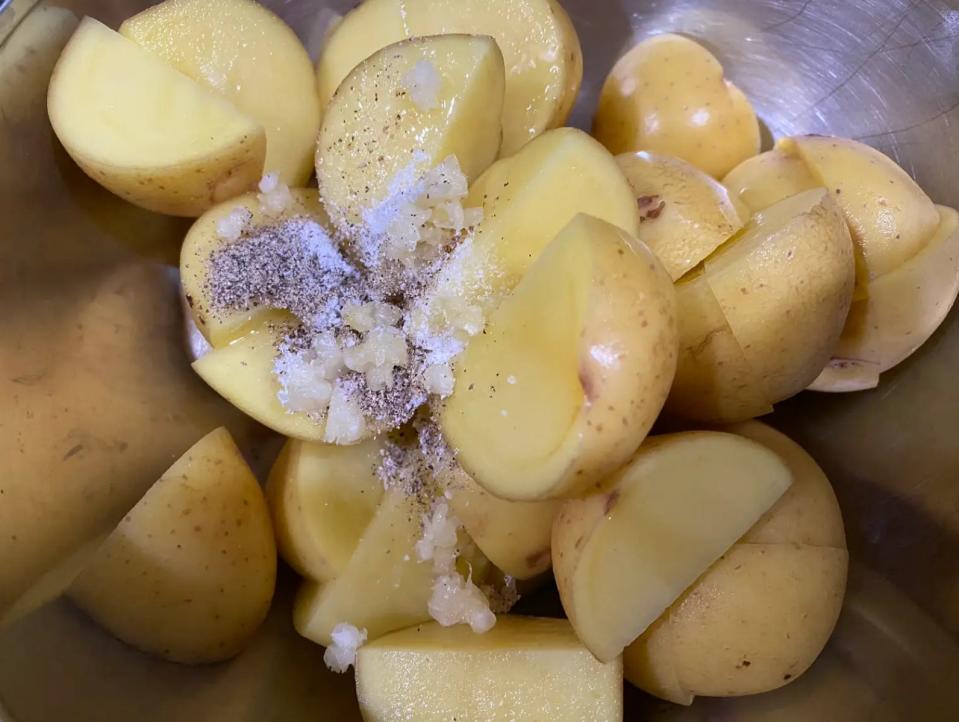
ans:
(323, 497)
(668, 95)
(785, 286)
(686, 214)
(242, 51)
(524, 668)
(401, 112)
(571, 371)
(146, 132)
(544, 62)
(622, 557)
(189, 573)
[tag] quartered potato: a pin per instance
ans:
(543, 59)
(668, 95)
(145, 131)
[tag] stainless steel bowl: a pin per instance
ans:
(96, 397)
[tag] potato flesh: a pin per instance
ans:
(374, 128)
(571, 370)
(622, 557)
(523, 668)
(255, 61)
(119, 113)
(768, 178)
(189, 573)
(543, 59)
(785, 287)
(323, 497)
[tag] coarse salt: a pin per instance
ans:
(232, 225)
(423, 83)
(341, 654)
(274, 195)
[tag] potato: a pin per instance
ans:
(759, 617)
(785, 287)
(768, 178)
(714, 382)
(524, 668)
(623, 556)
(668, 95)
(242, 51)
(403, 111)
(221, 326)
(189, 573)
(571, 371)
(144, 131)
(889, 215)
(513, 535)
(686, 213)
(322, 497)
(539, 93)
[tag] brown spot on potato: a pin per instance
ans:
(611, 501)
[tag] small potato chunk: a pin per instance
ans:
(403, 111)
(685, 214)
(242, 51)
(759, 617)
(668, 95)
(785, 286)
(571, 371)
(524, 668)
(322, 497)
(622, 557)
(188, 575)
(543, 59)
(144, 131)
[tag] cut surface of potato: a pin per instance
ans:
(220, 326)
(785, 286)
(322, 497)
(686, 214)
(403, 111)
(146, 132)
(242, 51)
(571, 371)
(768, 178)
(714, 382)
(189, 573)
(668, 95)
(622, 557)
(543, 59)
(524, 668)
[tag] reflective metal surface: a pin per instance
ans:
(96, 396)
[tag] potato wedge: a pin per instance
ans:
(189, 573)
(586, 342)
(523, 668)
(539, 93)
(401, 112)
(144, 131)
(322, 497)
(254, 60)
(622, 557)
(686, 214)
(785, 287)
(668, 95)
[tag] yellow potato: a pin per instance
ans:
(889, 215)
(524, 668)
(513, 535)
(144, 131)
(221, 326)
(762, 613)
(686, 214)
(785, 287)
(854, 365)
(404, 110)
(544, 62)
(768, 178)
(242, 51)
(571, 371)
(189, 573)
(322, 497)
(714, 382)
(668, 95)
(622, 557)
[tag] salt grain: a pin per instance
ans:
(341, 654)
(423, 84)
